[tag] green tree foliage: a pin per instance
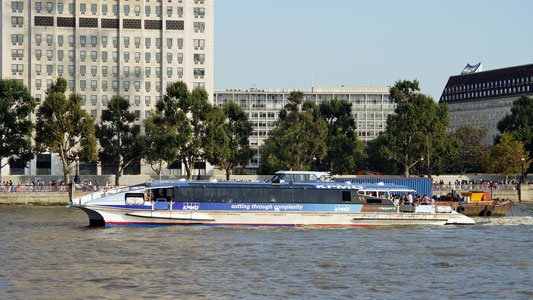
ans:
(417, 129)
(16, 106)
(378, 157)
(188, 116)
(344, 150)
(520, 122)
(298, 139)
(468, 154)
(64, 128)
(506, 156)
(120, 139)
(159, 139)
(228, 145)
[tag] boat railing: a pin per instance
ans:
(104, 193)
(472, 187)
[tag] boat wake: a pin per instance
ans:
(506, 221)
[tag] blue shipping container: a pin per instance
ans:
(423, 186)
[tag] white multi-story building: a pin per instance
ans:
(104, 48)
(370, 108)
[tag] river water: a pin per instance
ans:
(50, 253)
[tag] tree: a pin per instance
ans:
(298, 139)
(159, 141)
(378, 156)
(469, 152)
(520, 122)
(16, 106)
(229, 145)
(344, 150)
(417, 128)
(187, 115)
(120, 139)
(506, 156)
(64, 128)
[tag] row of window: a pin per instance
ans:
(126, 73)
(83, 55)
(93, 84)
(353, 98)
(197, 43)
(489, 85)
(49, 6)
(489, 93)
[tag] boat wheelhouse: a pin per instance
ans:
(291, 198)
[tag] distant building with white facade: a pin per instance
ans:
(482, 99)
(370, 108)
(105, 48)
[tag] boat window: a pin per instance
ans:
(162, 194)
(360, 192)
(370, 200)
(312, 178)
(322, 196)
(276, 178)
(346, 196)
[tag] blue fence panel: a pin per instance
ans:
(423, 186)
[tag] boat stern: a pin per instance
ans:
(459, 219)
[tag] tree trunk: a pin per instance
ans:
(228, 174)
(117, 176)
(406, 166)
(188, 168)
(66, 170)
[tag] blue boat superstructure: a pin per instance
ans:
(292, 198)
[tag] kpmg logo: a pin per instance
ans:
(191, 206)
(339, 186)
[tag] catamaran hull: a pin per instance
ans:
(110, 216)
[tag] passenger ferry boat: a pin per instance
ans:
(291, 198)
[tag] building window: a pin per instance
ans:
(199, 26)
(199, 11)
(199, 57)
(49, 6)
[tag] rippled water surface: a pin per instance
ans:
(49, 253)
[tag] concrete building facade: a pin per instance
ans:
(370, 108)
(482, 99)
(104, 48)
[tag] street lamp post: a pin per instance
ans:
(522, 174)
(77, 178)
(422, 160)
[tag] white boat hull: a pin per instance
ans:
(123, 216)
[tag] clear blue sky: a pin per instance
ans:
(291, 43)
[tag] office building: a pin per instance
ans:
(104, 48)
(483, 98)
(370, 108)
